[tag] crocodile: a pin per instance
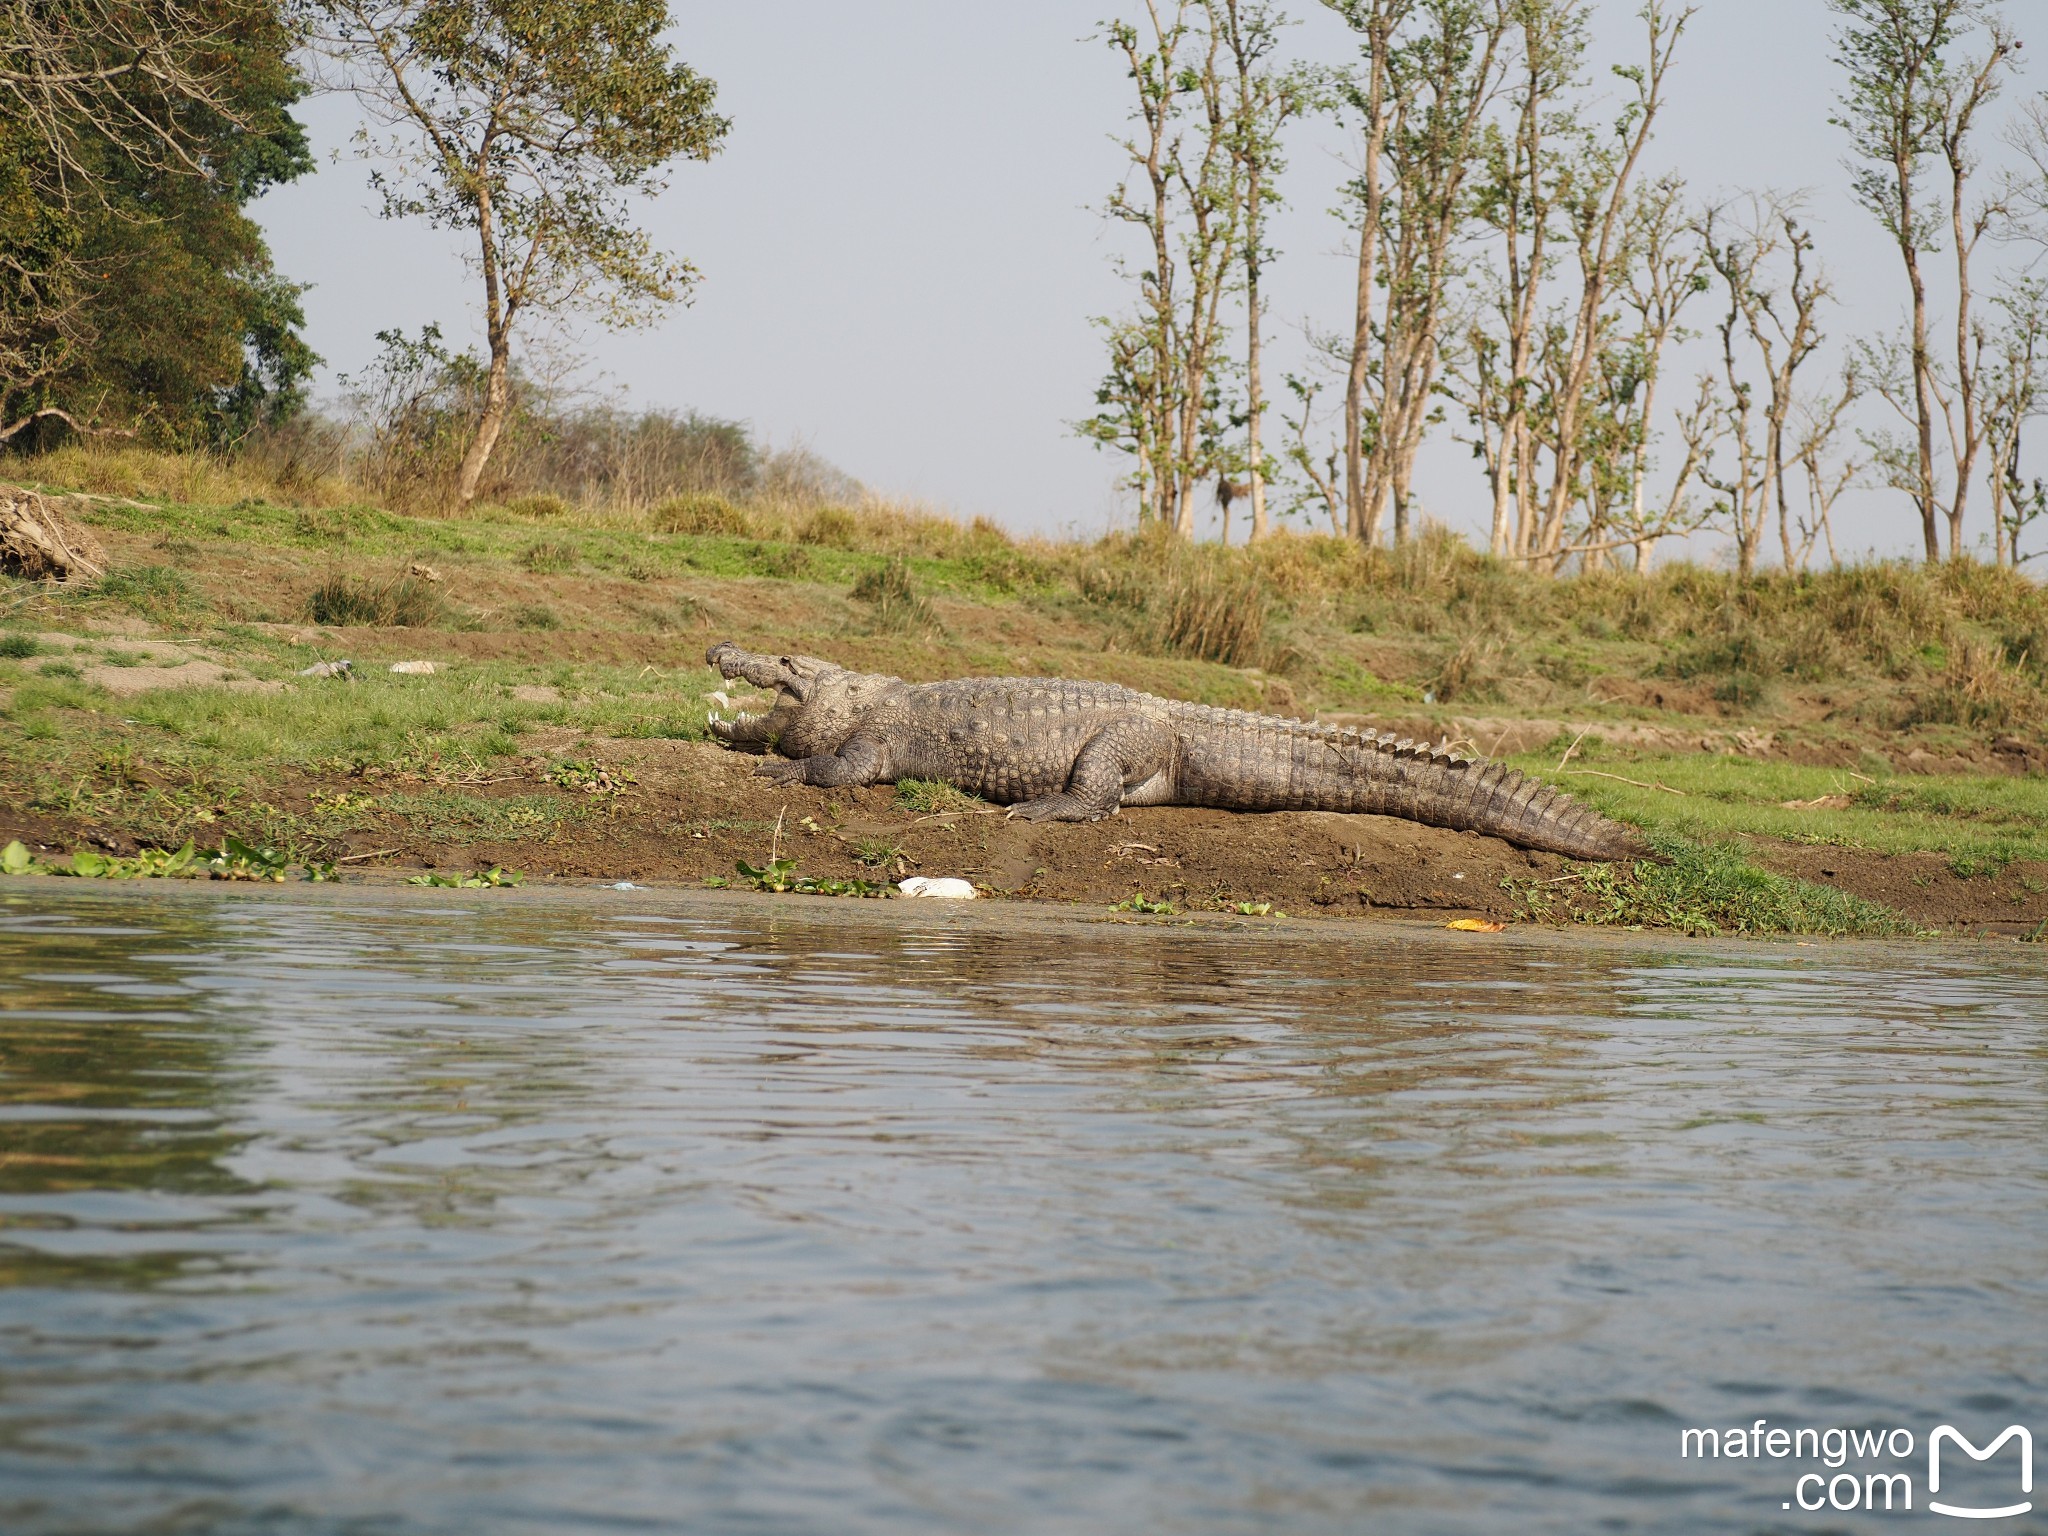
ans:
(1054, 749)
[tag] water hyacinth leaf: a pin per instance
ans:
(15, 859)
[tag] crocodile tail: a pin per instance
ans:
(1253, 762)
(1466, 794)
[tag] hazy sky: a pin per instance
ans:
(902, 245)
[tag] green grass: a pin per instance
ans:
(926, 797)
(1706, 890)
(1944, 658)
(1722, 795)
(214, 755)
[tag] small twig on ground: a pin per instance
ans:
(1638, 783)
(357, 858)
(1568, 751)
(775, 842)
(1862, 777)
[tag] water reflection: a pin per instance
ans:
(409, 1214)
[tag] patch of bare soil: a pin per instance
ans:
(2011, 902)
(147, 665)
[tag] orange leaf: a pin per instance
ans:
(1476, 925)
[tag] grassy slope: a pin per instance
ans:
(592, 622)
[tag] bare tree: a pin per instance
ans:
(1325, 475)
(2015, 394)
(1781, 328)
(1369, 93)
(528, 125)
(1905, 101)
(1266, 99)
(1663, 270)
(1820, 425)
(1431, 71)
(1541, 379)
(1160, 400)
(1516, 201)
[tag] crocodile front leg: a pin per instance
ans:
(860, 760)
(1128, 750)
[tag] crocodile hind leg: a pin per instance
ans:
(1128, 750)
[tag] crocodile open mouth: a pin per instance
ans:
(734, 723)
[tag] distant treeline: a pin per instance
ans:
(1527, 271)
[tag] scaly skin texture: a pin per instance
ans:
(1054, 750)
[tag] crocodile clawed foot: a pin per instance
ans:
(780, 771)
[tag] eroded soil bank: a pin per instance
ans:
(682, 812)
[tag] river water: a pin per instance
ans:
(371, 1211)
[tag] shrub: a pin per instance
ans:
(701, 514)
(1208, 611)
(540, 506)
(153, 591)
(779, 561)
(831, 528)
(1978, 687)
(405, 603)
(887, 589)
(548, 557)
(19, 647)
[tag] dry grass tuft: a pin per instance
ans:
(405, 603)
(887, 589)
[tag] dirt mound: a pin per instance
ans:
(39, 542)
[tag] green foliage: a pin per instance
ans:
(1138, 902)
(16, 646)
(1704, 889)
(878, 852)
(590, 777)
(532, 123)
(780, 876)
(481, 880)
(234, 859)
(157, 592)
(930, 797)
(137, 292)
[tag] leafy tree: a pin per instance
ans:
(528, 125)
(134, 291)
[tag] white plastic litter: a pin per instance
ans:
(329, 669)
(414, 668)
(625, 885)
(944, 886)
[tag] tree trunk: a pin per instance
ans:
(497, 403)
(1923, 403)
(498, 330)
(1362, 526)
(1254, 388)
